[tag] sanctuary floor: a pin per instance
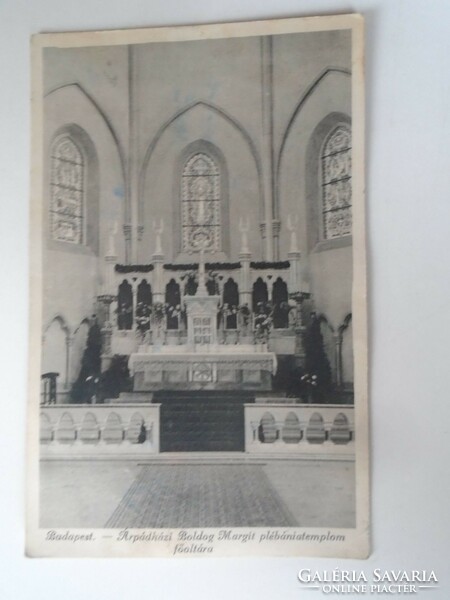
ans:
(195, 493)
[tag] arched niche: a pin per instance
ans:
(173, 301)
(280, 299)
(230, 303)
(136, 432)
(328, 94)
(267, 431)
(65, 430)
(314, 178)
(315, 431)
(260, 295)
(45, 429)
(199, 125)
(55, 350)
(185, 201)
(113, 430)
(125, 306)
(82, 184)
(89, 430)
(144, 302)
(78, 347)
(69, 109)
(291, 432)
(340, 430)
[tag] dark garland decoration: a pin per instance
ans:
(260, 265)
(133, 268)
(217, 266)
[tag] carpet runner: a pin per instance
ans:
(214, 495)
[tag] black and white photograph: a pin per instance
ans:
(198, 372)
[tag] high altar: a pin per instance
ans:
(202, 363)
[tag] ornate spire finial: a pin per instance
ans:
(158, 231)
(291, 226)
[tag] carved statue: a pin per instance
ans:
(291, 226)
(244, 228)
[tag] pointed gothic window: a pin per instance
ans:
(67, 191)
(200, 204)
(336, 184)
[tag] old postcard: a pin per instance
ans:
(198, 343)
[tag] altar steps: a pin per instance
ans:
(202, 421)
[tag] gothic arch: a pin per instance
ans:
(102, 114)
(91, 186)
(292, 163)
(71, 107)
(310, 90)
(222, 128)
(313, 191)
(62, 322)
(202, 147)
(280, 299)
(345, 323)
(55, 349)
(80, 336)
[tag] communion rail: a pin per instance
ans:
(99, 430)
(322, 430)
(132, 430)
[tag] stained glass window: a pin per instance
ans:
(200, 204)
(67, 192)
(336, 184)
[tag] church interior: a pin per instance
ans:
(197, 251)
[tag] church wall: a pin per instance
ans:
(299, 60)
(331, 284)
(326, 266)
(72, 272)
(203, 127)
(317, 96)
(197, 94)
(101, 71)
(226, 79)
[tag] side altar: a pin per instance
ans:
(202, 363)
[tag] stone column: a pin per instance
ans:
(109, 277)
(245, 287)
(134, 286)
(106, 299)
(294, 272)
(338, 357)
(158, 278)
(267, 141)
(127, 230)
(276, 228)
(69, 343)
